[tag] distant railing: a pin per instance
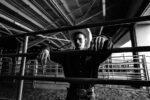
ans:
(113, 68)
(117, 68)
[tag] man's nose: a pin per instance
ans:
(78, 41)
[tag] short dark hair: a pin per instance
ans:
(77, 33)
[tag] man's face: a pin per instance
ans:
(79, 41)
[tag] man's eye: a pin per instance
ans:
(80, 39)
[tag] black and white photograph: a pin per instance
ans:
(74, 49)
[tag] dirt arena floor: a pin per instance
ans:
(103, 93)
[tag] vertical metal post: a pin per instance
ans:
(145, 67)
(104, 15)
(22, 70)
(36, 68)
(108, 70)
(146, 74)
(1, 52)
(13, 65)
(134, 44)
(56, 70)
(135, 57)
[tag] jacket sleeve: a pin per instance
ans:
(57, 57)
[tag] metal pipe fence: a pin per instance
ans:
(118, 69)
(120, 22)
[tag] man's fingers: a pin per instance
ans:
(99, 43)
(102, 43)
(110, 45)
(95, 42)
(49, 58)
(42, 59)
(40, 54)
(92, 45)
(45, 61)
(44, 56)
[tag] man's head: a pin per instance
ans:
(81, 38)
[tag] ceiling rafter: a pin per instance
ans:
(54, 36)
(56, 5)
(88, 10)
(81, 21)
(81, 7)
(54, 43)
(3, 31)
(59, 9)
(146, 10)
(32, 43)
(39, 9)
(3, 26)
(31, 13)
(5, 17)
(22, 16)
(12, 24)
(39, 40)
(19, 11)
(12, 16)
(78, 5)
(67, 9)
(56, 15)
(39, 12)
(13, 29)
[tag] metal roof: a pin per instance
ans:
(23, 16)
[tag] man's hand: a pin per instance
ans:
(101, 43)
(45, 56)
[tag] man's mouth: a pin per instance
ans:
(79, 45)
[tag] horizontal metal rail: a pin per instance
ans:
(106, 23)
(82, 80)
(87, 52)
(124, 63)
(121, 68)
(121, 73)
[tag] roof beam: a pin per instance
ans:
(67, 9)
(4, 2)
(55, 4)
(81, 21)
(39, 12)
(4, 21)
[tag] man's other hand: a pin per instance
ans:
(101, 43)
(44, 56)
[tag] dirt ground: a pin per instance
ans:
(103, 93)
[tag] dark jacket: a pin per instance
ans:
(78, 65)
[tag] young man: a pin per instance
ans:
(81, 66)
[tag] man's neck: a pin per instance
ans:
(80, 49)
